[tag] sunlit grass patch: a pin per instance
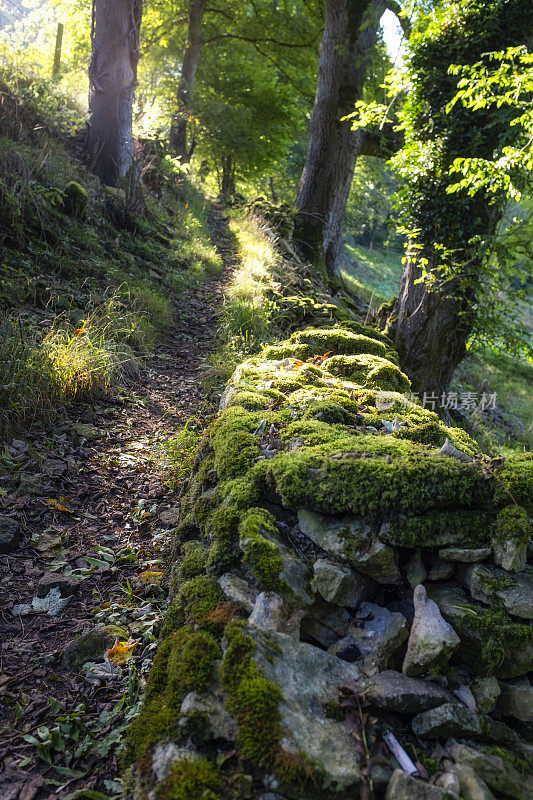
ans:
(373, 275)
(180, 451)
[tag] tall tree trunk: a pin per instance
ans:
(227, 184)
(191, 59)
(333, 147)
(113, 78)
(432, 320)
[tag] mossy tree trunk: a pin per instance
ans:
(113, 77)
(191, 59)
(350, 30)
(433, 319)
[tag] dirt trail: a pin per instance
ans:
(73, 490)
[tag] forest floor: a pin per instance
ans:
(97, 514)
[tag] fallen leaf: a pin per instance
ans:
(150, 576)
(52, 604)
(121, 652)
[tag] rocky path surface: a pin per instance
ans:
(92, 552)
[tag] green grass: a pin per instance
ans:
(373, 275)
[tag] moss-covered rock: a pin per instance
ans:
(75, 200)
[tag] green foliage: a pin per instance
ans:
(191, 779)
(260, 552)
(513, 524)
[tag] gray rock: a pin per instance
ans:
(346, 648)
(169, 517)
(415, 570)
(350, 539)
(516, 699)
(486, 692)
(393, 691)
(439, 570)
(510, 554)
(455, 607)
(497, 772)
(465, 695)
(10, 534)
(432, 640)
(325, 623)
(294, 573)
(379, 561)
(472, 786)
(166, 755)
(90, 646)
(336, 583)
(211, 706)
(446, 720)
(53, 580)
(464, 555)
(496, 587)
(404, 787)
(379, 634)
(309, 678)
(450, 783)
(238, 591)
(272, 613)
(332, 534)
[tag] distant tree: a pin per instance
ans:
(113, 77)
(463, 151)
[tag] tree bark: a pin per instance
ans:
(191, 59)
(113, 78)
(333, 147)
(227, 183)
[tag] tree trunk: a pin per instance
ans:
(431, 330)
(113, 78)
(227, 184)
(333, 147)
(191, 59)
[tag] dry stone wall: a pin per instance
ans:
(346, 567)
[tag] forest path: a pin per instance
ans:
(96, 482)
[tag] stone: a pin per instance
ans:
(404, 787)
(393, 691)
(510, 554)
(346, 648)
(53, 580)
(238, 591)
(379, 561)
(498, 773)
(440, 570)
(472, 786)
(464, 555)
(496, 587)
(75, 200)
(486, 691)
(90, 646)
(165, 756)
(446, 720)
(450, 783)
(455, 607)
(10, 534)
(169, 517)
(350, 539)
(379, 634)
(415, 571)
(309, 680)
(465, 695)
(432, 640)
(334, 582)
(516, 699)
(325, 623)
(210, 705)
(294, 573)
(272, 613)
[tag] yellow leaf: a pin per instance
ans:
(150, 576)
(121, 652)
(57, 505)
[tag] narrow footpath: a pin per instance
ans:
(96, 517)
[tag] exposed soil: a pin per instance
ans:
(75, 489)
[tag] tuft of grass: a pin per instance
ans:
(180, 452)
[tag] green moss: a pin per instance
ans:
(494, 582)
(260, 553)
(191, 663)
(252, 700)
(157, 678)
(522, 765)
(369, 370)
(515, 480)
(471, 528)
(155, 722)
(496, 633)
(233, 440)
(192, 779)
(319, 341)
(193, 560)
(75, 200)
(194, 604)
(512, 523)
(331, 412)
(334, 711)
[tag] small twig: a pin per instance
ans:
(399, 753)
